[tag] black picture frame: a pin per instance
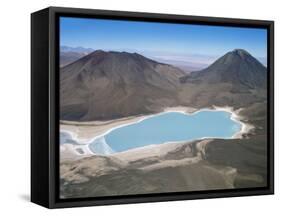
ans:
(45, 107)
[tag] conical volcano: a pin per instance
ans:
(106, 85)
(237, 67)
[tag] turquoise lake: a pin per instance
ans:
(167, 127)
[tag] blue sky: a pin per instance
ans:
(161, 40)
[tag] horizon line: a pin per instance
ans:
(262, 60)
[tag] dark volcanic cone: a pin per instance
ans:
(105, 85)
(237, 67)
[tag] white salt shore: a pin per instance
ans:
(86, 132)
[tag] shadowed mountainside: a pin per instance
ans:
(237, 67)
(107, 85)
(236, 79)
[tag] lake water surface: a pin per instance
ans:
(167, 127)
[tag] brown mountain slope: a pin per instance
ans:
(236, 67)
(106, 85)
(236, 79)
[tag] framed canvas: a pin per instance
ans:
(139, 107)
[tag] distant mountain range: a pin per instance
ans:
(71, 54)
(76, 49)
(69, 57)
(106, 85)
(186, 66)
